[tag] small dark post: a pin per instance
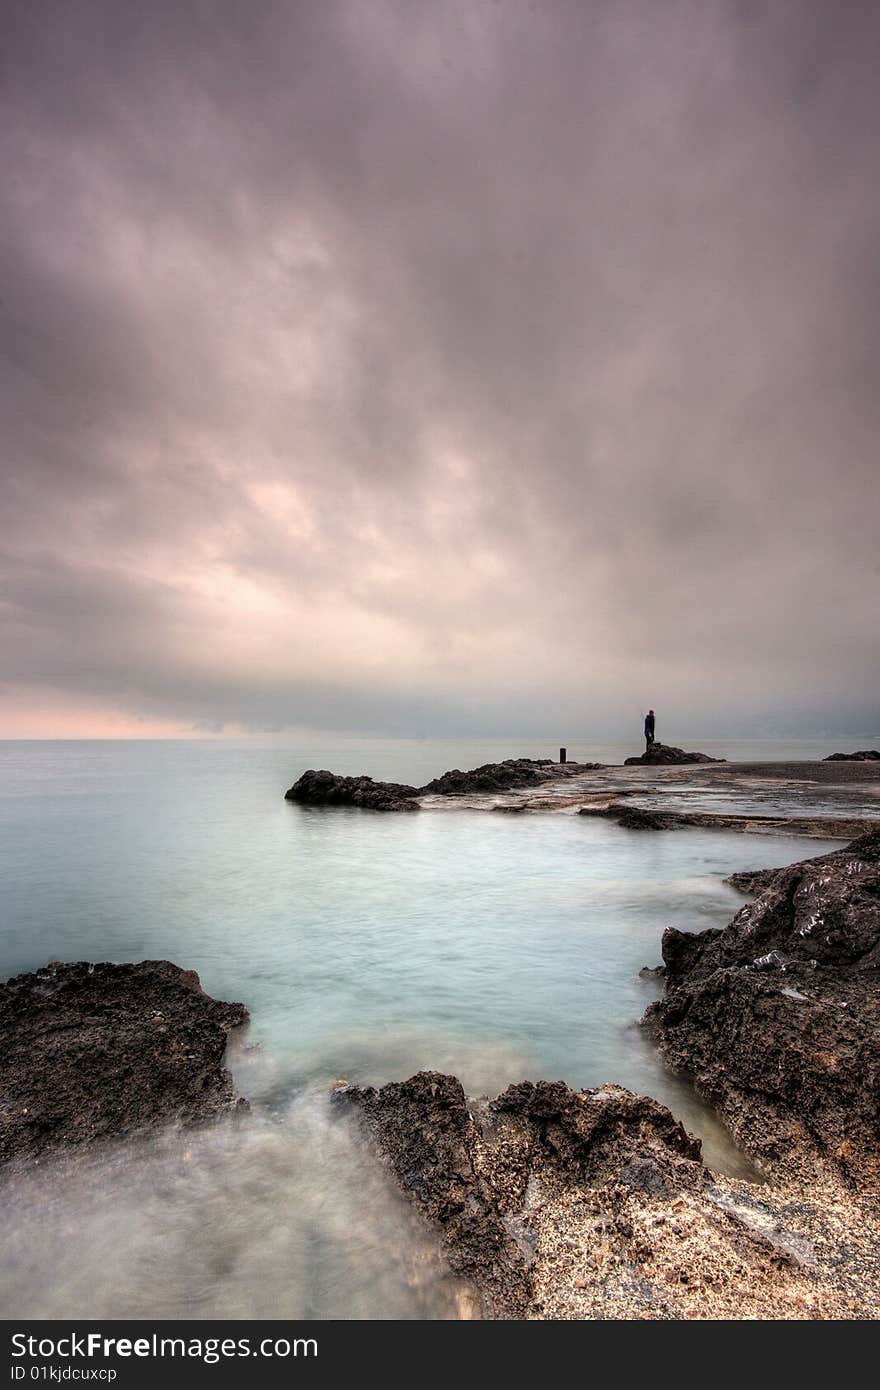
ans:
(563, 752)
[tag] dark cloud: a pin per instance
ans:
(437, 368)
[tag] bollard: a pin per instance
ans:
(562, 755)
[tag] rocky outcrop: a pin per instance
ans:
(424, 1129)
(865, 755)
(330, 789)
(777, 1016)
(468, 1165)
(662, 755)
(754, 881)
(492, 777)
(324, 788)
(556, 1203)
(97, 1052)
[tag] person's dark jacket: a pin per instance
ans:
(649, 726)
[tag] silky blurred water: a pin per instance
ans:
(366, 946)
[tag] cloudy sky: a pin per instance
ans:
(439, 368)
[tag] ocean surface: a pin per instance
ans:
(366, 947)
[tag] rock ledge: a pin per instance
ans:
(96, 1052)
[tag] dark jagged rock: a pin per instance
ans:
(777, 1016)
(752, 881)
(425, 1131)
(492, 777)
(662, 755)
(97, 1052)
(594, 1132)
(865, 755)
(324, 788)
(471, 1166)
(824, 910)
(556, 1203)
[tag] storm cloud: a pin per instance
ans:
(439, 367)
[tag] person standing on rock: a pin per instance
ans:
(649, 729)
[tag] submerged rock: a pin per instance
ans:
(663, 755)
(97, 1052)
(324, 788)
(777, 1016)
(865, 755)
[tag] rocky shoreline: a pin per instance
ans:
(776, 1018)
(669, 789)
(565, 1204)
(550, 1202)
(555, 1203)
(810, 827)
(323, 788)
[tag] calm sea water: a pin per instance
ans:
(366, 947)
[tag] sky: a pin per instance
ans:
(452, 368)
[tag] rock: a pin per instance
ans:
(865, 755)
(773, 960)
(635, 817)
(649, 972)
(468, 1166)
(646, 1175)
(97, 1052)
(752, 881)
(330, 789)
(556, 1203)
(818, 827)
(662, 755)
(824, 909)
(492, 777)
(777, 1016)
(425, 1131)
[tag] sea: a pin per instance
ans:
(366, 947)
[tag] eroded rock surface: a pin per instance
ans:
(777, 1016)
(96, 1052)
(469, 1166)
(556, 1203)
